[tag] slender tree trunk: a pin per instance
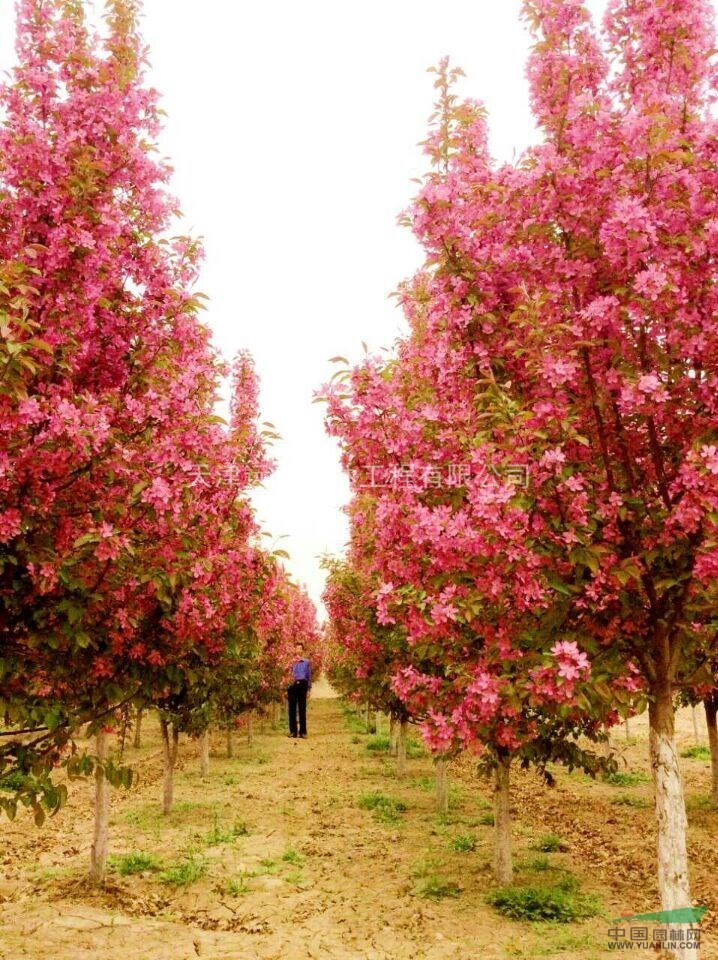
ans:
(204, 754)
(393, 730)
(673, 882)
(98, 853)
(401, 749)
(277, 714)
(250, 727)
(137, 742)
(628, 728)
(170, 745)
(696, 731)
(230, 742)
(369, 718)
(711, 707)
(503, 865)
(442, 785)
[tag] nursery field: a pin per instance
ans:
(314, 849)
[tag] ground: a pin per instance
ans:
(279, 853)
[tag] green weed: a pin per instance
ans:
(561, 903)
(464, 843)
(550, 843)
(626, 800)
(437, 888)
(626, 778)
(217, 835)
(240, 885)
(184, 872)
(135, 862)
(14, 781)
(540, 864)
(386, 809)
(292, 856)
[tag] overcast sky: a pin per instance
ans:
(293, 128)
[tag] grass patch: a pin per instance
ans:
(424, 783)
(184, 872)
(356, 724)
(696, 753)
(437, 888)
(464, 843)
(14, 781)
(486, 819)
(443, 822)
(135, 862)
(550, 843)
(626, 778)
(562, 903)
(293, 856)
(217, 835)
(378, 744)
(627, 800)
(296, 877)
(540, 864)
(254, 758)
(268, 866)
(238, 886)
(385, 809)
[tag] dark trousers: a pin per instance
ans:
(297, 697)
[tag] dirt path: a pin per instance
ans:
(285, 862)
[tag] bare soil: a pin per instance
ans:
(318, 876)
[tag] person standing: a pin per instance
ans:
(297, 693)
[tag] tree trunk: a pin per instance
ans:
(230, 742)
(503, 866)
(277, 714)
(250, 727)
(401, 750)
(442, 785)
(393, 740)
(98, 853)
(137, 742)
(696, 731)
(628, 728)
(711, 707)
(204, 754)
(673, 882)
(370, 719)
(169, 749)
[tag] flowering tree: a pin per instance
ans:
(473, 668)
(120, 486)
(563, 328)
(363, 653)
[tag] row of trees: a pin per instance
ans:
(534, 516)
(131, 567)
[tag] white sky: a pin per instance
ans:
(293, 129)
